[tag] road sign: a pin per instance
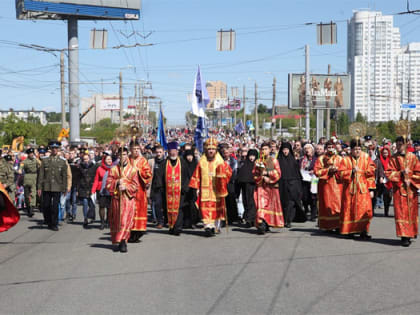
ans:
(408, 106)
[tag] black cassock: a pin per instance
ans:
(290, 186)
(246, 186)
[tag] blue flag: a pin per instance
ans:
(200, 97)
(200, 134)
(239, 128)
(161, 137)
(250, 125)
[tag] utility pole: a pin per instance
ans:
(73, 64)
(328, 126)
(121, 101)
(243, 103)
(63, 91)
(308, 96)
(135, 104)
(273, 110)
(140, 104)
(256, 110)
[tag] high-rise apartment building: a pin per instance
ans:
(408, 77)
(373, 50)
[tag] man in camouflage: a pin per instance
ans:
(52, 182)
(30, 169)
(7, 175)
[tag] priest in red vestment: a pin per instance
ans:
(144, 173)
(266, 195)
(123, 184)
(329, 189)
(176, 182)
(357, 171)
(210, 179)
(404, 173)
(9, 215)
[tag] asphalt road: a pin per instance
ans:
(296, 271)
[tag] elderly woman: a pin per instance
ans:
(306, 165)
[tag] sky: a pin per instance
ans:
(270, 40)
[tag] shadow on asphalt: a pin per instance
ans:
(385, 241)
(38, 227)
(103, 246)
(246, 230)
(318, 232)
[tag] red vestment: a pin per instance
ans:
(329, 192)
(9, 216)
(173, 191)
(211, 178)
(266, 195)
(405, 203)
(145, 177)
(356, 204)
(121, 218)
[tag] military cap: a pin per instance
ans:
(8, 157)
(30, 150)
(42, 151)
(54, 144)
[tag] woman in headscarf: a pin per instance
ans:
(191, 213)
(99, 187)
(384, 185)
(309, 199)
(246, 184)
(290, 184)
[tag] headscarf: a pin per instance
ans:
(190, 165)
(245, 171)
(288, 165)
(385, 163)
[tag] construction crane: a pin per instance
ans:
(86, 112)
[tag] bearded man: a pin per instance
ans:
(210, 179)
(404, 173)
(329, 189)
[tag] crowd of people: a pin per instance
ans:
(236, 180)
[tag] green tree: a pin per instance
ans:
(360, 118)
(343, 124)
(13, 127)
(262, 109)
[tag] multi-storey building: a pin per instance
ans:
(408, 77)
(26, 114)
(373, 48)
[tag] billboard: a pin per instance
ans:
(110, 104)
(82, 9)
(233, 105)
(220, 103)
(326, 91)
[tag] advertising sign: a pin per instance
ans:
(326, 91)
(110, 104)
(220, 103)
(83, 9)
